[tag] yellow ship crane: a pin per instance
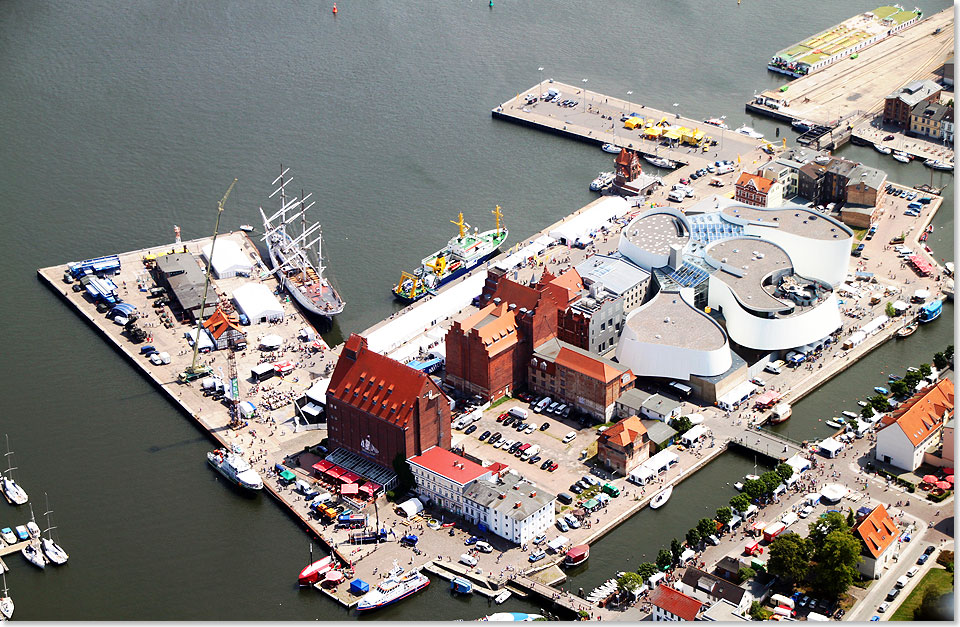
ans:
(497, 214)
(195, 371)
(460, 223)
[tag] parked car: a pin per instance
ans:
(806, 511)
(562, 525)
(572, 521)
(545, 464)
(575, 488)
(930, 549)
(923, 559)
(569, 437)
(471, 541)
(530, 428)
(483, 547)
(534, 459)
(553, 466)
(591, 480)
(888, 138)
(545, 426)
(502, 416)
(758, 381)
(484, 436)
(471, 429)
(913, 571)
(537, 556)
(469, 560)
(540, 539)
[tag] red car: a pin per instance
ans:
(553, 466)
(501, 417)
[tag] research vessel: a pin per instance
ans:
(462, 254)
(235, 468)
(395, 588)
(290, 252)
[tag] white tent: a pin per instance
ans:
(874, 324)
(688, 554)
(247, 409)
(661, 461)
(558, 543)
(830, 447)
(833, 492)
(534, 249)
(695, 419)
(640, 475)
(228, 259)
(591, 218)
(271, 342)
(410, 508)
(737, 395)
(694, 434)
(258, 303)
(798, 463)
(206, 343)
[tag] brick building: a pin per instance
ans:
(488, 351)
(629, 179)
(810, 179)
(225, 330)
(576, 377)
(379, 408)
(624, 446)
(897, 106)
(753, 189)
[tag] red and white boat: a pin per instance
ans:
(577, 555)
(312, 573)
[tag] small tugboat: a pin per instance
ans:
(661, 498)
(611, 148)
(603, 180)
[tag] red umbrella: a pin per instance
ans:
(949, 479)
(943, 485)
(929, 479)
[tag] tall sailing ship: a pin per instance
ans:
(461, 255)
(290, 252)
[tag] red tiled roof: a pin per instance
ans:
(760, 183)
(496, 334)
(219, 322)
(676, 602)
(593, 368)
(569, 281)
(449, 465)
(878, 531)
(923, 414)
(624, 432)
(625, 157)
(376, 384)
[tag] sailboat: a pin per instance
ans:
(314, 570)
(14, 493)
(53, 551)
(661, 498)
(6, 603)
(33, 555)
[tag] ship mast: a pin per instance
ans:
(460, 223)
(498, 214)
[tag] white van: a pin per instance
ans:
(569, 437)
(772, 369)
(902, 582)
(725, 168)
(519, 412)
(544, 402)
(677, 195)
(469, 560)
(779, 599)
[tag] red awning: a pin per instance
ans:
(929, 479)
(349, 477)
(949, 479)
(921, 264)
(370, 487)
(334, 472)
(322, 465)
(348, 488)
(943, 485)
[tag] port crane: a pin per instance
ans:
(197, 371)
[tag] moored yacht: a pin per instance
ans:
(33, 555)
(884, 150)
(938, 164)
(394, 588)
(661, 498)
(902, 157)
(611, 148)
(603, 180)
(235, 468)
(749, 132)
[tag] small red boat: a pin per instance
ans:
(312, 573)
(577, 555)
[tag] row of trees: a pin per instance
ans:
(767, 483)
(828, 556)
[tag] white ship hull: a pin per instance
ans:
(235, 469)
(661, 498)
(14, 492)
(393, 590)
(54, 551)
(33, 555)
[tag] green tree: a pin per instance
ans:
(675, 550)
(629, 581)
(899, 388)
(879, 402)
(790, 557)
(949, 353)
(682, 424)
(754, 488)
(851, 519)
(706, 527)
(693, 537)
(837, 560)
(889, 310)
(758, 612)
(821, 528)
(745, 573)
(867, 412)
(930, 608)
(785, 471)
(940, 361)
(663, 559)
(740, 502)
(647, 570)
(770, 481)
(854, 424)
(925, 370)
(724, 515)
(912, 378)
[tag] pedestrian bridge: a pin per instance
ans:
(771, 445)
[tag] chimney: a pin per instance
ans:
(516, 505)
(496, 301)
(533, 494)
(502, 496)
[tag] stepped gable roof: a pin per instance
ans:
(625, 157)
(756, 181)
(877, 530)
(676, 602)
(376, 384)
(449, 465)
(923, 413)
(624, 432)
(220, 322)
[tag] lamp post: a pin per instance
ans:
(540, 88)
(584, 93)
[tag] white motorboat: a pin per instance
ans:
(718, 122)
(902, 157)
(604, 179)
(33, 555)
(938, 164)
(884, 150)
(8, 535)
(660, 162)
(51, 549)
(751, 477)
(661, 498)
(738, 486)
(22, 534)
(836, 423)
(6, 603)
(33, 529)
(611, 148)
(393, 589)
(850, 415)
(948, 268)
(14, 493)
(235, 468)
(749, 132)
(862, 403)
(503, 596)
(246, 228)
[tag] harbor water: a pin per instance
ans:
(122, 119)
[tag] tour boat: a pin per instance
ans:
(14, 493)
(884, 150)
(938, 164)
(235, 468)
(33, 555)
(8, 535)
(611, 148)
(781, 412)
(749, 132)
(577, 555)
(907, 330)
(312, 572)
(511, 617)
(604, 179)
(661, 498)
(931, 311)
(393, 589)
(902, 157)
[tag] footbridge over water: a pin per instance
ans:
(771, 445)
